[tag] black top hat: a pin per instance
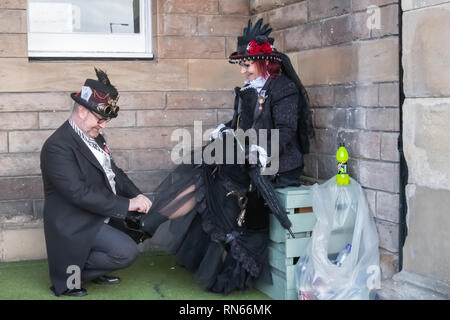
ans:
(99, 96)
(255, 44)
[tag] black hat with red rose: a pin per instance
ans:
(255, 44)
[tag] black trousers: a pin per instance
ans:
(112, 250)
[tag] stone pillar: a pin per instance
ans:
(426, 115)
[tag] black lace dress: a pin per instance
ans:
(195, 217)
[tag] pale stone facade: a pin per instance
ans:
(426, 57)
(347, 57)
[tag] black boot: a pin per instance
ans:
(130, 226)
(151, 221)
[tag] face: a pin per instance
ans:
(91, 122)
(250, 70)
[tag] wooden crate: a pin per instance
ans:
(277, 290)
(284, 251)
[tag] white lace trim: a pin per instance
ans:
(256, 84)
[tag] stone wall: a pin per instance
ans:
(189, 79)
(351, 73)
(426, 140)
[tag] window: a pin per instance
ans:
(89, 28)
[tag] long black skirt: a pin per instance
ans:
(194, 216)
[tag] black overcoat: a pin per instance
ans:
(279, 111)
(78, 198)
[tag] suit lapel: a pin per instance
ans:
(85, 151)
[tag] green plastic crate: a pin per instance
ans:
(278, 289)
(284, 251)
(295, 197)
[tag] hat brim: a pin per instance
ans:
(90, 106)
(235, 57)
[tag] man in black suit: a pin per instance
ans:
(84, 190)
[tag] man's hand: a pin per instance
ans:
(141, 204)
(146, 200)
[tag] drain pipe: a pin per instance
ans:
(403, 229)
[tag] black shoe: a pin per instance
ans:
(106, 280)
(75, 293)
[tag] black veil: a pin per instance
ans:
(305, 126)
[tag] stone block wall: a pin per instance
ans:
(426, 140)
(351, 73)
(189, 79)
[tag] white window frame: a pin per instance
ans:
(95, 45)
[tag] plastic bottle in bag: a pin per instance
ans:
(343, 221)
(342, 255)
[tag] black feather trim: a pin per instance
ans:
(103, 77)
(256, 30)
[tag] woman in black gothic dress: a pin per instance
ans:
(212, 216)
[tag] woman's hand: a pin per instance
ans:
(215, 133)
(257, 155)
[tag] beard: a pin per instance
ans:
(93, 133)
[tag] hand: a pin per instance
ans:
(141, 204)
(146, 200)
(262, 155)
(215, 133)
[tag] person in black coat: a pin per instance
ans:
(213, 215)
(84, 190)
(273, 98)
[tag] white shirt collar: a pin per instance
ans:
(257, 84)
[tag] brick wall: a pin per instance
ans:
(351, 75)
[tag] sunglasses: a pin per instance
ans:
(100, 120)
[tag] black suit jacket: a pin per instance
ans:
(78, 198)
(280, 111)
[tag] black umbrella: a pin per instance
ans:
(267, 191)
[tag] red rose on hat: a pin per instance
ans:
(255, 48)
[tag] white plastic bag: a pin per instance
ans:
(343, 217)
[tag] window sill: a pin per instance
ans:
(88, 56)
